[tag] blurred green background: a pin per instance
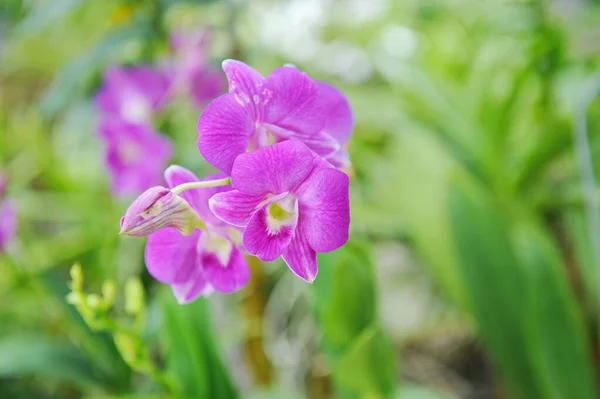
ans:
(473, 267)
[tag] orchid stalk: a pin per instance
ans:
(201, 184)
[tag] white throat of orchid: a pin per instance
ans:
(281, 213)
(135, 108)
(262, 137)
(217, 245)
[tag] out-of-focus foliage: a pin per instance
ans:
(472, 267)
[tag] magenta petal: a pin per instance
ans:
(323, 144)
(324, 205)
(274, 169)
(300, 257)
(224, 131)
(244, 83)
(197, 198)
(339, 120)
(170, 256)
(264, 243)
(206, 85)
(290, 101)
(8, 224)
(194, 287)
(234, 207)
(226, 278)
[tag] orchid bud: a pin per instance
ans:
(157, 208)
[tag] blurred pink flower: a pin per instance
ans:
(189, 69)
(132, 94)
(206, 260)
(135, 155)
(8, 217)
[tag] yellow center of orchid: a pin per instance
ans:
(281, 213)
(219, 246)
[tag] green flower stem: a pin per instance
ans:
(201, 184)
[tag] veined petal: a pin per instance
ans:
(225, 267)
(157, 208)
(194, 287)
(234, 207)
(224, 131)
(171, 257)
(340, 159)
(325, 208)
(274, 169)
(339, 120)
(300, 257)
(267, 240)
(197, 198)
(245, 84)
(289, 100)
(323, 144)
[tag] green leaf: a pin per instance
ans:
(361, 356)
(525, 312)
(192, 352)
(367, 368)
(45, 13)
(98, 347)
(273, 394)
(345, 292)
(418, 392)
(73, 78)
(39, 356)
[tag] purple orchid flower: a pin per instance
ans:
(205, 260)
(189, 68)
(135, 155)
(133, 94)
(260, 111)
(8, 217)
(291, 203)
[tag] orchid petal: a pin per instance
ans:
(205, 85)
(194, 287)
(245, 84)
(339, 120)
(171, 257)
(289, 100)
(274, 169)
(224, 131)
(234, 207)
(324, 205)
(340, 160)
(262, 241)
(300, 257)
(226, 268)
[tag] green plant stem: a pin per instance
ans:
(201, 184)
(588, 180)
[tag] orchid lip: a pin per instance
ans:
(218, 245)
(281, 213)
